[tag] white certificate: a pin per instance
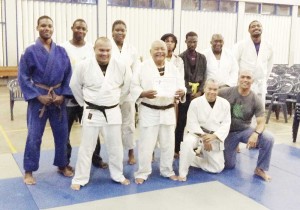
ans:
(165, 86)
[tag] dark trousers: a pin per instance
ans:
(181, 122)
(75, 113)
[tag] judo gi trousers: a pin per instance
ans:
(73, 113)
(128, 124)
(264, 145)
(212, 161)
(36, 126)
(164, 134)
(113, 142)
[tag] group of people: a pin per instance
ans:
(195, 107)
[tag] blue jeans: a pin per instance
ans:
(264, 145)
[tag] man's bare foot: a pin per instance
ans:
(66, 171)
(176, 155)
(100, 164)
(261, 173)
(238, 150)
(125, 182)
(75, 187)
(139, 181)
(181, 179)
(131, 160)
(28, 178)
(173, 177)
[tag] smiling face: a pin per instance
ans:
(217, 43)
(245, 79)
(102, 50)
(158, 52)
(255, 29)
(211, 90)
(119, 33)
(79, 30)
(45, 28)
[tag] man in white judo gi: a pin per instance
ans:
(96, 84)
(78, 49)
(156, 110)
(221, 63)
(256, 54)
(208, 123)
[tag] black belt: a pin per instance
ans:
(206, 130)
(100, 108)
(158, 107)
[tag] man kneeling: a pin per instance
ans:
(208, 123)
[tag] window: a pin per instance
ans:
(284, 10)
(190, 4)
(209, 5)
(252, 8)
(162, 4)
(73, 1)
(119, 3)
(140, 3)
(268, 9)
(228, 6)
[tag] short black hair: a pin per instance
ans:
(253, 22)
(191, 33)
(117, 22)
(165, 36)
(78, 20)
(43, 17)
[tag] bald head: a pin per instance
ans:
(217, 42)
(102, 50)
(158, 51)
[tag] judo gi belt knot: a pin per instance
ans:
(50, 93)
(206, 130)
(100, 108)
(194, 86)
(158, 107)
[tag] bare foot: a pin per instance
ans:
(75, 187)
(176, 155)
(139, 181)
(66, 171)
(261, 173)
(181, 179)
(131, 160)
(125, 182)
(173, 177)
(28, 178)
(238, 150)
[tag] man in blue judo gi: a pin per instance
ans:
(44, 76)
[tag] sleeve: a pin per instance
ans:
(181, 84)
(135, 86)
(192, 123)
(204, 63)
(66, 91)
(25, 78)
(234, 71)
(223, 130)
(76, 84)
(270, 62)
(259, 108)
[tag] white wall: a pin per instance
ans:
(143, 25)
(205, 24)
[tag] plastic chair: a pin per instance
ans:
(15, 94)
(296, 119)
(279, 101)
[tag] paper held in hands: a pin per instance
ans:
(165, 86)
